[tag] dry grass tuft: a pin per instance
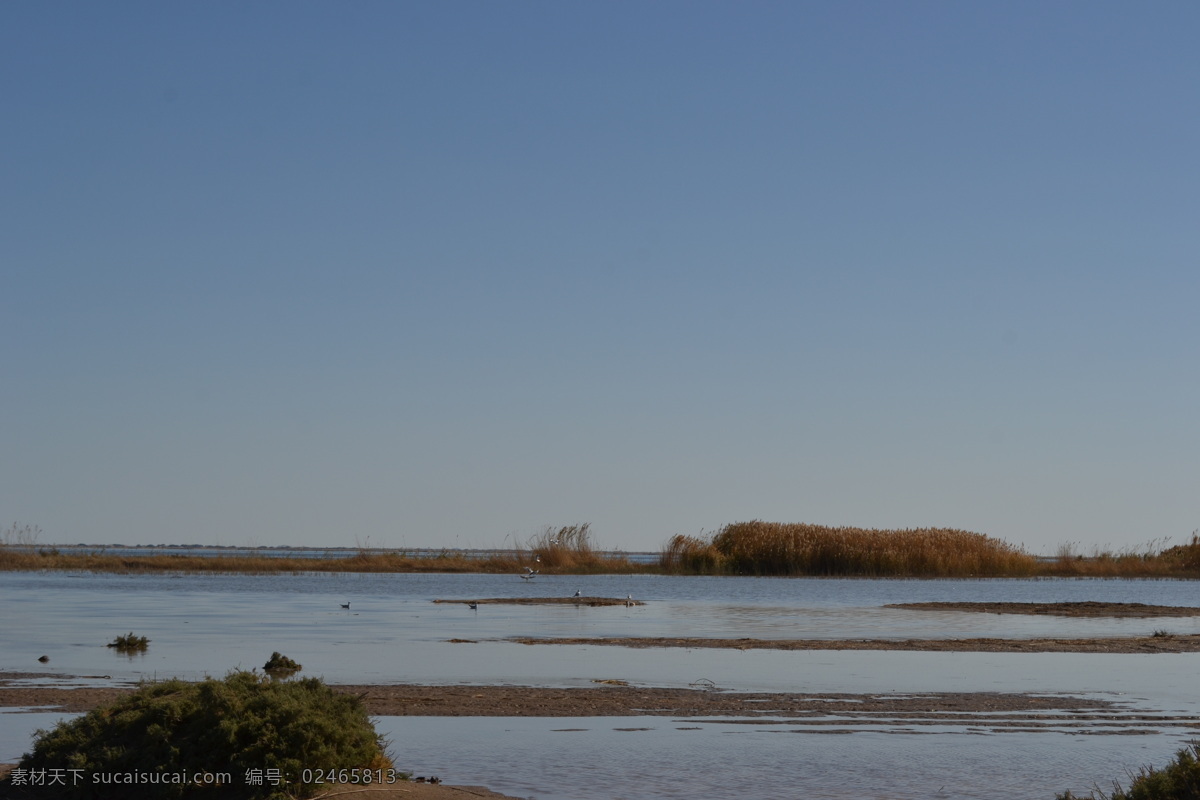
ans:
(563, 548)
(1150, 560)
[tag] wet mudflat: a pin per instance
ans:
(1165, 643)
(549, 601)
(1087, 608)
(623, 701)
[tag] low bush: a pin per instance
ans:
(243, 725)
(1179, 780)
(279, 664)
(129, 643)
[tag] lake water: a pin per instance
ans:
(394, 633)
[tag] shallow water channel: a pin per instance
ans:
(394, 633)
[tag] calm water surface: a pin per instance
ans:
(393, 632)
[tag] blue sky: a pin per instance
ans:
(442, 274)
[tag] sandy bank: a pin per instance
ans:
(604, 700)
(1169, 643)
(545, 601)
(1089, 608)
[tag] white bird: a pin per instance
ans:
(473, 606)
(628, 600)
(530, 573)
(578, 593)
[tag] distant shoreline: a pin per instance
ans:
(268, 560)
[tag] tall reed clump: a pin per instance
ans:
(1149, 560)
(16, 543)
(691, 554)
(569, 548)
(18, 535)
(775, 548)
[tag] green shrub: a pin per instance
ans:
(243, 724)
(1179, 780)
(129, 643)
(279, 665)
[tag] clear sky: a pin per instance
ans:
(445, 273)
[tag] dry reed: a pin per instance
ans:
(1146, 561)
(569, 549)
(773, 548)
